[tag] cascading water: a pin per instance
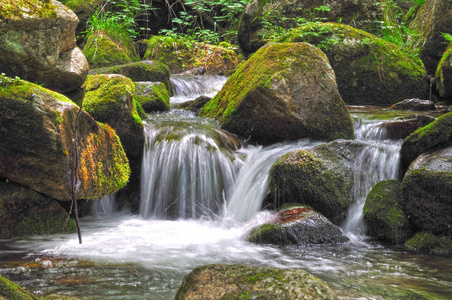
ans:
(190, 87)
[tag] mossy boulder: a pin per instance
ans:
(24, 212)
(427, 192)
(38, 126)
(425, 241)
(247, 282)
(153, 96)
(369, 70)
(37, 42)
(432, 19)
(444, 74)
(383, 213)
(182, 55)
(102, 51)
(434, 136)
(402, 127)
(252, 33)
(147, 70)
(11, 291)
(299, 225)
(284, 91)
(109, 99)
(321, 178)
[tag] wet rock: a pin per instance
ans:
(369, 70)
(414, 104)
(247, 282)
(432, 19)
(425, 241)
(427, 192)
(24, 212)
(153, 96)
(402, 127)
(283, 92)
(37, 128)
(37, 42)
(434, 136)
(147, 70)
(194, 105)
(252, 32)
(383, 213)
(444, 74)
(299, 226)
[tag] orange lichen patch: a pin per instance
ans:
(294, 214)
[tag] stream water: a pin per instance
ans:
(202, 192)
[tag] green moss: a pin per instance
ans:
(17, 9)
(101, 51)
(430, 242)
(271, 232)
(152, 97)
(46, 223)
(12, 291)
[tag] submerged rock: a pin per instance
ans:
(24, 212)
(414, 104)
(383, 213)
(369, 70)
(247, 282)
(283, 92)
(444, 74)
(434, 136)
(37, 43)
(37, 128)
(427, 192)
(300, 226)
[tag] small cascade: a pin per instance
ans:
(105, 206)
(370, 130)
(188, 166)
(190, 87)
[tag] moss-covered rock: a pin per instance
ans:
(37, 42)
(252, 33)
(425, 241)
(432, 19)
(24, 212)
(181, 55)
(402, 127)
(432, 137)
(247, 282)
(444, 74)
(369, 70)
(101, 51)
(321, 178)
(109, 99)
(427, 192)
(11, 291)
(38, 126)
(140, 71)
(283, 92)
(153, 96)
(383, 214)
(300, 226)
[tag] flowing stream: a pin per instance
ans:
(202, 192)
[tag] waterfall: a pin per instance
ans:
(188, 166)
(104, 206)
(190, 87)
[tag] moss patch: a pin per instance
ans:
(12, 291)
(17, 9)
(426, 241)
(100, 51)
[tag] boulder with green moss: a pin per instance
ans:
(38, 126)
(253, 29)
(102, 51)
(182, 55)
(402, 127)
(434, 136)
(444, 74)
(248, 282)
(11, 291)
(299, 225)
(383, 213)
(37, 43)
(425, 241)
(284, 91)
(109, 99)
(153, 96)
(427, 192)
(432, 20)
(24, 212)
(369, 70)
(147, 70)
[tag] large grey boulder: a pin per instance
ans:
(284, 91)
(36, 149)
(246, 282)
(37, 42)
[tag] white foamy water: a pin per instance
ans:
(190, 87)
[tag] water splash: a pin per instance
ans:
(190, 87)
